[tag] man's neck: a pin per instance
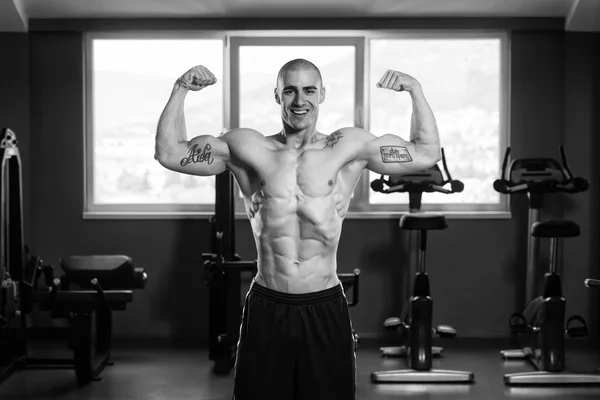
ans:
(296, 139)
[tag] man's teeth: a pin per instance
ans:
(299, 112)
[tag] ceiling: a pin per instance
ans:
(580, 15)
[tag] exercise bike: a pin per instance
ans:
(543, 319)
(415, 322)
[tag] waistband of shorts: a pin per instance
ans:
(311, 298)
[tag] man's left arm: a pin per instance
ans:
(390, 154)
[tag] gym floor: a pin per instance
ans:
(148, 371)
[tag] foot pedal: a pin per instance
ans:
(518, 324)
(393, 351)
(517, 354)
(578, 331)
(392, 323)
(445, 331)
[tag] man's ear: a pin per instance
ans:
(277, 98)
(322, 97)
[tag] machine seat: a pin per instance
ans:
(111, 271)
(423, 221)
(555, 229)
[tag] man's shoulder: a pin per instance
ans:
(242, 135)
(352, 133)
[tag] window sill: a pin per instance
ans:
(239, 215)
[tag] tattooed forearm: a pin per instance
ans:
(395, 154)
(333, 139)
(195, 155)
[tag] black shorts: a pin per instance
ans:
(295, 347)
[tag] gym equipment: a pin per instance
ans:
(592, 283)
(543, 319)
(415, 322)
(13, 347)
(105, 283)
(222, 272)
(429, 181)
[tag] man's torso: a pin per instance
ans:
(296, 201)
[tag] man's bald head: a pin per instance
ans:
(297, 64)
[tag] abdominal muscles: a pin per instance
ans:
(297, 238)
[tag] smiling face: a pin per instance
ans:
(299, 91)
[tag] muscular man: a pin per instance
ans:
(296, 335)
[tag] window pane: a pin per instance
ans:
(132, 81)
(259, 66)
(461, 81)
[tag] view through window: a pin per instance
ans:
(461, 81)
(130, 80)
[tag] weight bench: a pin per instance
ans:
(105, 284)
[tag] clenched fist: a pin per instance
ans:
(197, 78)
(398, 81)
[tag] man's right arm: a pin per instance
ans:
(202, 155)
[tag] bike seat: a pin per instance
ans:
(423, 221)
(555, 229)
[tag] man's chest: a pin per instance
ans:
(310, 173)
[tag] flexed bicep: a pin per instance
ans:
(392, 155)
(203, 155)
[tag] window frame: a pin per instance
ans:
(232, 40)
(136, 210)
(363, 209)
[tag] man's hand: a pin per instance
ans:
(398, 81)
(197, 78)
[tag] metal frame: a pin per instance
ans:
(13, 346)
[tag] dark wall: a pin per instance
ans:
(581, 136)
(14, 103)
(476, 267)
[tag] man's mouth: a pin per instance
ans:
(299, 112)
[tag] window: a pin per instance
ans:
(464, 77)
(129, 84)
(462, 81)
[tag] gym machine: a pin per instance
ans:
(223, 269)
(542, 321)
(415, 322)
(13, 347)
(104, 284)
(592, 283)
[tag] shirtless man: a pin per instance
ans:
(296, 339)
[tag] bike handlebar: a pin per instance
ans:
(595, 283)
(569, 185)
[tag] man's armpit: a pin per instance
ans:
(395, 154)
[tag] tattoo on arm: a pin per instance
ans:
(195, 155)
(333, 139)
(395, 154)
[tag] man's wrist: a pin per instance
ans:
(179, 87)
(416, 92)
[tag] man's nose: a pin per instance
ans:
(299, 100)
